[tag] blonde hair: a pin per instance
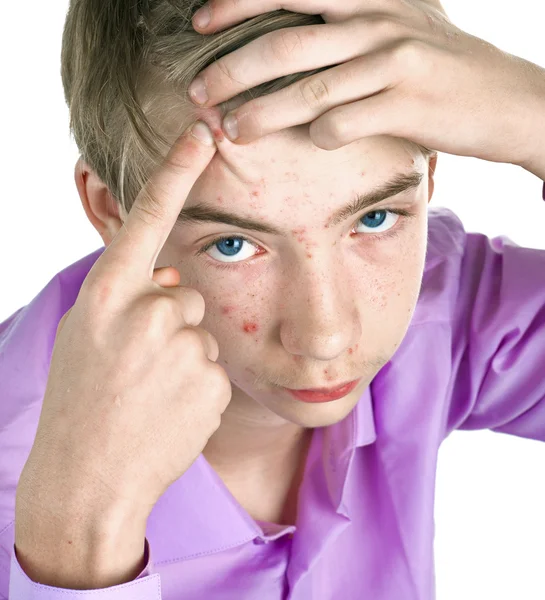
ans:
(126, 66)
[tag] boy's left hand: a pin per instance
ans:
(402, 69)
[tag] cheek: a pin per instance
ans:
(238, 319)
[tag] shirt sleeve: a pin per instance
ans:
(146, 586)
(498, 343)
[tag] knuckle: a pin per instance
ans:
(337, 126)
(225, 67)
(99, 289)
(411, 56)
(221, 383)
(148, 210)
(155, 313)
(192, 342)
(314, 92)
(194, 300)
(385, 26)
(282, 44)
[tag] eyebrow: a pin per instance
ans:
(401, 182)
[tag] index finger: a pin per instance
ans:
(157, 207)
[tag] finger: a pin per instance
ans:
(166, 276)
(313, 96)
(158, 205)
(209, 343)
(293, 50)
(382, 114)
(226, 13)
(191, 303)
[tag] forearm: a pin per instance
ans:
(79, 551)
(533, 130)
(536, 163)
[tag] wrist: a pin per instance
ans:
(80, 552)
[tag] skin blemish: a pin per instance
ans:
(327, 375)
(220, 200)
(255, 193)
(300, 233)
(217, 133)
(226, 310)
(309, 255)
(250, 327)
(350, 350)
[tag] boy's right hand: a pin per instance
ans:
(134, 392)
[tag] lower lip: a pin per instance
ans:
(310, 396)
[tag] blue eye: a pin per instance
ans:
(230, 249)
(230, 246)
(374, 219)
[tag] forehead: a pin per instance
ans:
(288, 166)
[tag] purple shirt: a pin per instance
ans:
(472, 359)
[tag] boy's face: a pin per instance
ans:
(320, 303)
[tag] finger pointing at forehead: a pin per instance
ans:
(156, 209)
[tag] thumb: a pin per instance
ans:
(166, 276)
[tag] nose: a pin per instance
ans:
(320, 319)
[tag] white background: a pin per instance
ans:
(490, 507)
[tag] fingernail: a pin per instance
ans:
(230, 126)
(197, 90)
(202, 17)
(202, 133)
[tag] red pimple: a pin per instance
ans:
(255, 193)
(218, 134)
(227, 309)
(327, 375)
(350, 350)
(309, 255)
(250, 327)
(220, 200)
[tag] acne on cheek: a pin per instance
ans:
(250, 327)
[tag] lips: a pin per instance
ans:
(324, 394)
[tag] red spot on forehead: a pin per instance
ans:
(250, 327)
(217, 133)
(255, 193)
(227, 309)
(309, 255)
(350, 350)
